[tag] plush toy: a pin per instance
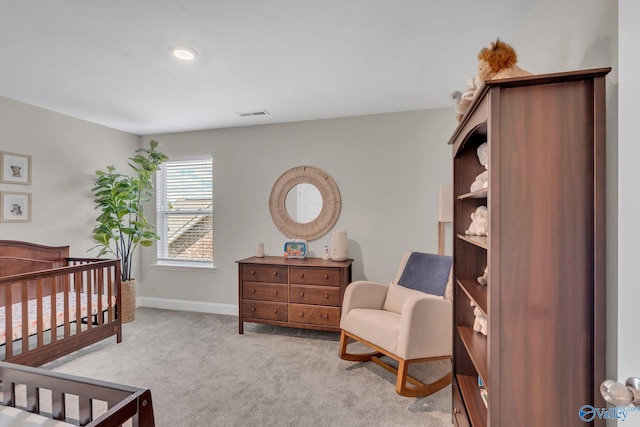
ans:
(480, 323)
(484, 279)
(482, 180)
(498, 61)
(462, 100)
(479, 222)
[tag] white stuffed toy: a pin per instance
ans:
(479, 222)
(484, 279)
(482, 180)
(480, 323)
(463, 100)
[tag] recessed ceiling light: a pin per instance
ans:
(184, 53)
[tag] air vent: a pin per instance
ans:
(253, 113)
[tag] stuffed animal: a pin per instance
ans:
(498, 61)
(479, 222)
(482, 180)
(462, 100)
(480, 323)
(484, 279)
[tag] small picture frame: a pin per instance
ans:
(15, 207)
(15, 168)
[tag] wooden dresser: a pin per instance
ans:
(301, 293)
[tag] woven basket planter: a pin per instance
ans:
(128, 299)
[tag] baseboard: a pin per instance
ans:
(183, 305)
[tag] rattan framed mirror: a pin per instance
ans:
(331, 203)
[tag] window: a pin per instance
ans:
(184, 205)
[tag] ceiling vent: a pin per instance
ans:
(253, 113)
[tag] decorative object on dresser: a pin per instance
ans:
(122, 224)
(541, 301)
(43, 290)
(408, 321)
(302, 293)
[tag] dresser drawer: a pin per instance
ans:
(315, 315)
(319, 295)
(265, 273)
(264, 310)
(265, 291)
(315, 276)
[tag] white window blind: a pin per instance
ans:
(184, 205)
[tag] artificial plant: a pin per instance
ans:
(122, 224)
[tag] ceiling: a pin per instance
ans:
(108, 61)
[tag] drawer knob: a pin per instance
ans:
(326, 316)
(456, 410)
(302, 275)
(253, 272)
(326, 276)
(275, 273)
(301, 294)
(253, 291)
(301, 314)
(253, 309)
(275, 292)
(326, 295)
(275, 311)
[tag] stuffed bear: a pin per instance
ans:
(479, 222)
(498, 61)
(482, 180)
(462, 100)
(484, 279)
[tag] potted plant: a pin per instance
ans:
(122, 224)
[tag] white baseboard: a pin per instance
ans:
(183, 305)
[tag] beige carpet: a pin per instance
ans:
(201, 372)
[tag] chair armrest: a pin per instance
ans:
(426, 328)
(363, 294)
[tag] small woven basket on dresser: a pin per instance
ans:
(128, 300)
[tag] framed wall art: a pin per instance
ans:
(15, 207)
(15, 168)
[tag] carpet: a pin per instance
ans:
(201, 372)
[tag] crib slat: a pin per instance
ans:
(67, 320)
(8, 321)
(8, 392)
(85, 410)
(39, 313)
(78, 288)
(54, 315)
(33, 399)
(58, 403)
(25, 316)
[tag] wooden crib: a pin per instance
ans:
(52, 305)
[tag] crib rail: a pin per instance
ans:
(70, 398)
(67, 326)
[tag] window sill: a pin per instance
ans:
(184, 266)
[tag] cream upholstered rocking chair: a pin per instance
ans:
(409, 321)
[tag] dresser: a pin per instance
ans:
(301, 293)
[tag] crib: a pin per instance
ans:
(52, 305)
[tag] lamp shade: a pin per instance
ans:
(445, 203)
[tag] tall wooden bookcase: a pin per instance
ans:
(543, 356)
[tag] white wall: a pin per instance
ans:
(628, 296)
(388, 168)
(65, 155)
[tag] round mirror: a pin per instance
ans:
(304, 203)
